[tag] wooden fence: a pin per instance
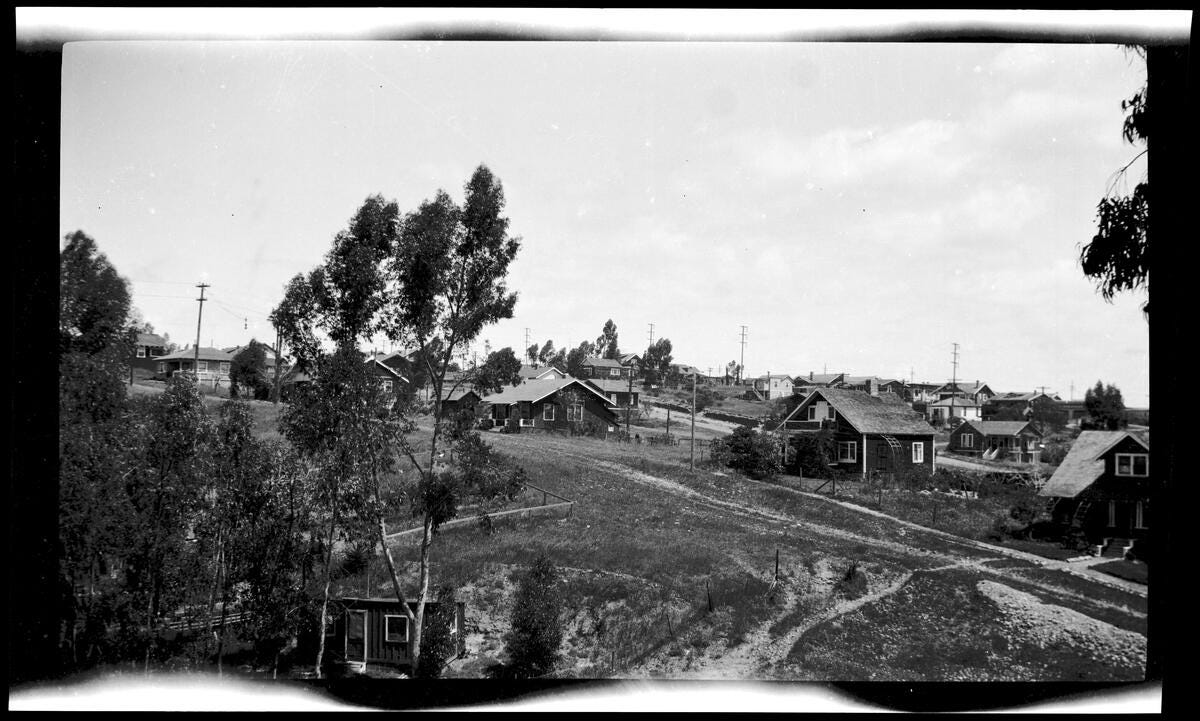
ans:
(563, 504)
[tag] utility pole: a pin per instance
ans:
(651, 334)
(742, 365)
(628, 404)
(199, 314)
(953, 382)
(532, 361)
(692, 457)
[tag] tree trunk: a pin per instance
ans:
(423, 592)
(325, 598)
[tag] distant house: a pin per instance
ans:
(872, 434)
(773, 386)
(291, 380)
(605, 368)
(897, 387)
(376, 631)
(978, 392)
(632, 361)
(148, 348)
(924, 393)
(1104, 487)
(942, 411)
(997, 439)
(532, 372)
(551, 404)
(458, 399)
(818, 380)
(618, 392)
(213, 366)
(391, 381)
(1022, 402)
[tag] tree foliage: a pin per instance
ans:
(758, 455)
(537, 621)
(1105, 407)
(606, 343)
(248, 371)
(656, 362)
(576, 357)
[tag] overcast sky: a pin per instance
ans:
(859, 207)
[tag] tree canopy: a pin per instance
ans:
(1105, 406)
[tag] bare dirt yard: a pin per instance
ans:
(671, 573)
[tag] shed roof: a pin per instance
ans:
(535, 389)
(870, 414)
(1084, 463)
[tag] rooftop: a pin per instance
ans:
(1084, 462)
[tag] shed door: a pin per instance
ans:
(356, 635)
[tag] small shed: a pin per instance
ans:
(376, 631)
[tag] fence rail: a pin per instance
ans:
(565, 503)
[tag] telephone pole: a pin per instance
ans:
(953, 382)
(692, 457)
(532, 361)
(742, 362)
(199, 314)
(651, 334)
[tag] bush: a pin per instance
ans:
(438, 644)
(758, 455)
(537, 622)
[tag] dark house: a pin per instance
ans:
(606, 368)
(376, 631)
(213, 368)
(617, 391)
(147, 350)
(1020, 402)
(551, 404)
(872, 434)
(1018, 440)
(388, 378)
(1104, 487)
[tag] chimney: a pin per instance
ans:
(810, 374)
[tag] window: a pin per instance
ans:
(575, 412)
(547, 411)
(847, 452)
(1112, 514)
(202, 367)
(1133, 464)
(918, 452)
(387, 385)
(812, 413)
(967, 440)
(225, 367)
(527, 423)
(1139, 514)
(881, 450)
(395, 629)
(162, 367)
(615, 372)
(831, 413)
(141, 353)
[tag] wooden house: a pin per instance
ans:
(1022, 402)
(1018, 440)
(950, 407)
(619, 392)
(1104, 487)
(871, 433)
(148, 348)
(773, 386)
(551, 404)
(376, 631)
(606, 368)
(532, 372)
(978, 392)
(388, 378)
(213, 366)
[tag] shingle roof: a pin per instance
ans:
(1084, 463)
(818, 379)
(533, 390)
(998, 428)
(602, 362)
(958, 402)
(150, 339)
(871, 414)
(528, 371)
(190, 354)
(609, 385)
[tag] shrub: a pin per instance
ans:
(438, 644)
(537, 623)
(853, 584)
(758, 455)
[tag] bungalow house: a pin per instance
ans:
(606, 368)
(897, 387)
(997, 439)
(213, 365)
(376, 631)
(618, 392)
(940, 412)
(924, 392)
(631, 360)
(148, 348)
(818, 380)
(456, 399)
(551, 404)
(872, 434)
(1104, 487)
(773, 386)
(978, 392)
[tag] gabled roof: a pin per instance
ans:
(1084, 463)
(150, 339)
(857, 380)
(190, 354)
(956, 402)
(536, 389)
(457, 394)
(968, 388)
(602, 362)
(529, 371)
(868, 413)
(775, 376)
(818, 379)
(1014, 397)
(627, 358)
(1000, 428)
(389, 369)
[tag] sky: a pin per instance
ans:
(858, 207)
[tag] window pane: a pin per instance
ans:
(356, 625)
(1122, 464)
(1140, 464)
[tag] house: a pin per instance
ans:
(940, 412)
(148, 348)
(376, 631)
(872, 434)
(997, 439)
(924, 393)
(268, 354)
(458, 399)
(773, 386)
(551, 404)
(212, 367)
(619, 392)
(291, 380)
(819, 380)
(1022, 402)
(978, 392)
(391, 381)
(1104, 487)
(897, 387)
(605, 368)
(632, 361)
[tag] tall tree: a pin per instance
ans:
(606, 344)
(546, 354)
(1105, 406)
(531, 353)
(248, 371)
(656, 362)
(576, 357)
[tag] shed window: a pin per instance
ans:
(918, 452)
(847, 452)
(395, 629)
(967, 440)
(141, 351)
(1133, 464)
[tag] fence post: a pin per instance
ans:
(776, 564)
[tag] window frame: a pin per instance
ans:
(1131, 473)
(202, 367)
(575, 412)
(918, 451)
(851, 456)
(547, 411)
(614, 372)
(141, 351)
(387, 634)
(966, 440)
